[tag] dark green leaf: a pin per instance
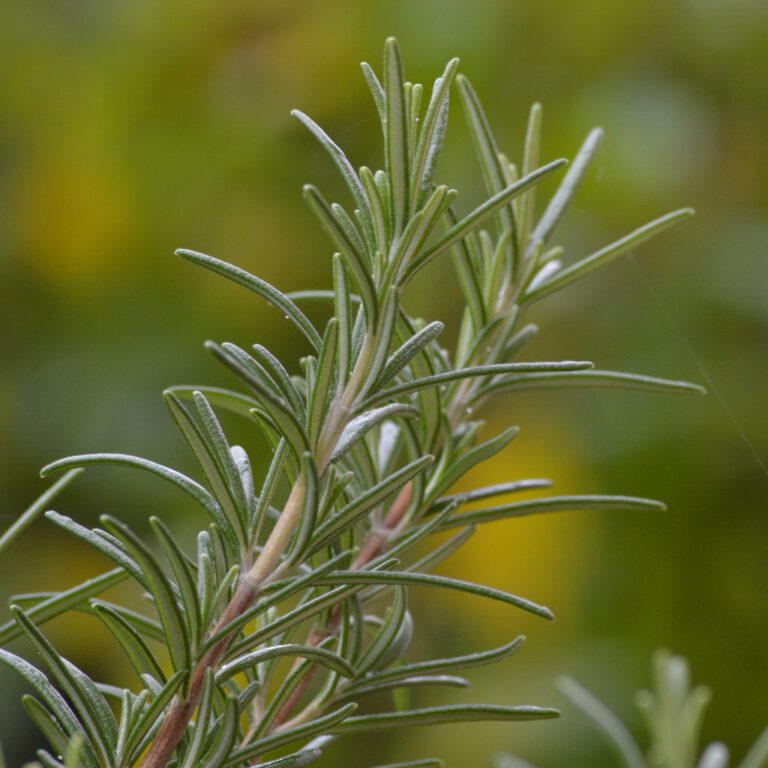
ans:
(32, 512)
(366, 421)
(171, 617)
(607, 254)
(586, 378)
(461, 713)
(406, 578)
(189, 486)
(259, 286)
(551, 504)
(59, 602)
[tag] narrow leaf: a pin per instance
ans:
(612, 728)
(586, 378)
(607, 254)
(313, 727)
(568, 187)
(473, 371)
(406, 578)
(59, 602)
(32, 512)
(436, 715)
(189, 486)
(332, 528)
(259, 286)
(249, 660)
(342, 163)
(366, 421)
(551, 504)
(131, 641)
(396, 137)
(172, 619)
(99, 733)
(480, 214)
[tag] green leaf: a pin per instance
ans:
(320, 655)
(356, 261)
(280, 591)
(260, 287)
(450, 681)
(387, 635)
(408, 387)
(281, 377)
(343, 310)
(586, 378)
(527, 207)
(342, 163)
(468, 460)
(396, 152)
(171, 617)
(235, 402)
(333, 527)
(316, 726)
(616, 733)
(152, 717)
(226, 515)
(185, 579)
(551, 504)
(289, 423)
(98, 540)
(376, 90)
(461, 713)
(480, 214)
(227, 469)
(87, 702)
(607, 254)
(489, 491)
(32, 512)
(52, 698)
(428, 763)
(306, 524)
(417, 232)
(189, 486)
(59, 602)
(50, 728)
(383, 337)
(322, 390)
(366, 421)
(131, 641)
(406, 578)
(468, 280)
(486, 150)
(147, 627)
(205, 711)
(292, 618)
(568, 187)
(757, 757)
(432, 134)
(226, 736)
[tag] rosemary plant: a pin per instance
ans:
(314, 561)
(673, 714)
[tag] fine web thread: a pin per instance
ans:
(702, 370)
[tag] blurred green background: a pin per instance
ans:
(129, 129)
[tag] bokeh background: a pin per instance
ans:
(128, 129)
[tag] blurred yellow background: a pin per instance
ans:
(128, 129)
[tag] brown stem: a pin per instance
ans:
(373, 545)
(180, 713)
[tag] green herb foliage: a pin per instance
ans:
(315, 561)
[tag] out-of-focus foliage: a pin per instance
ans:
(130, 129)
